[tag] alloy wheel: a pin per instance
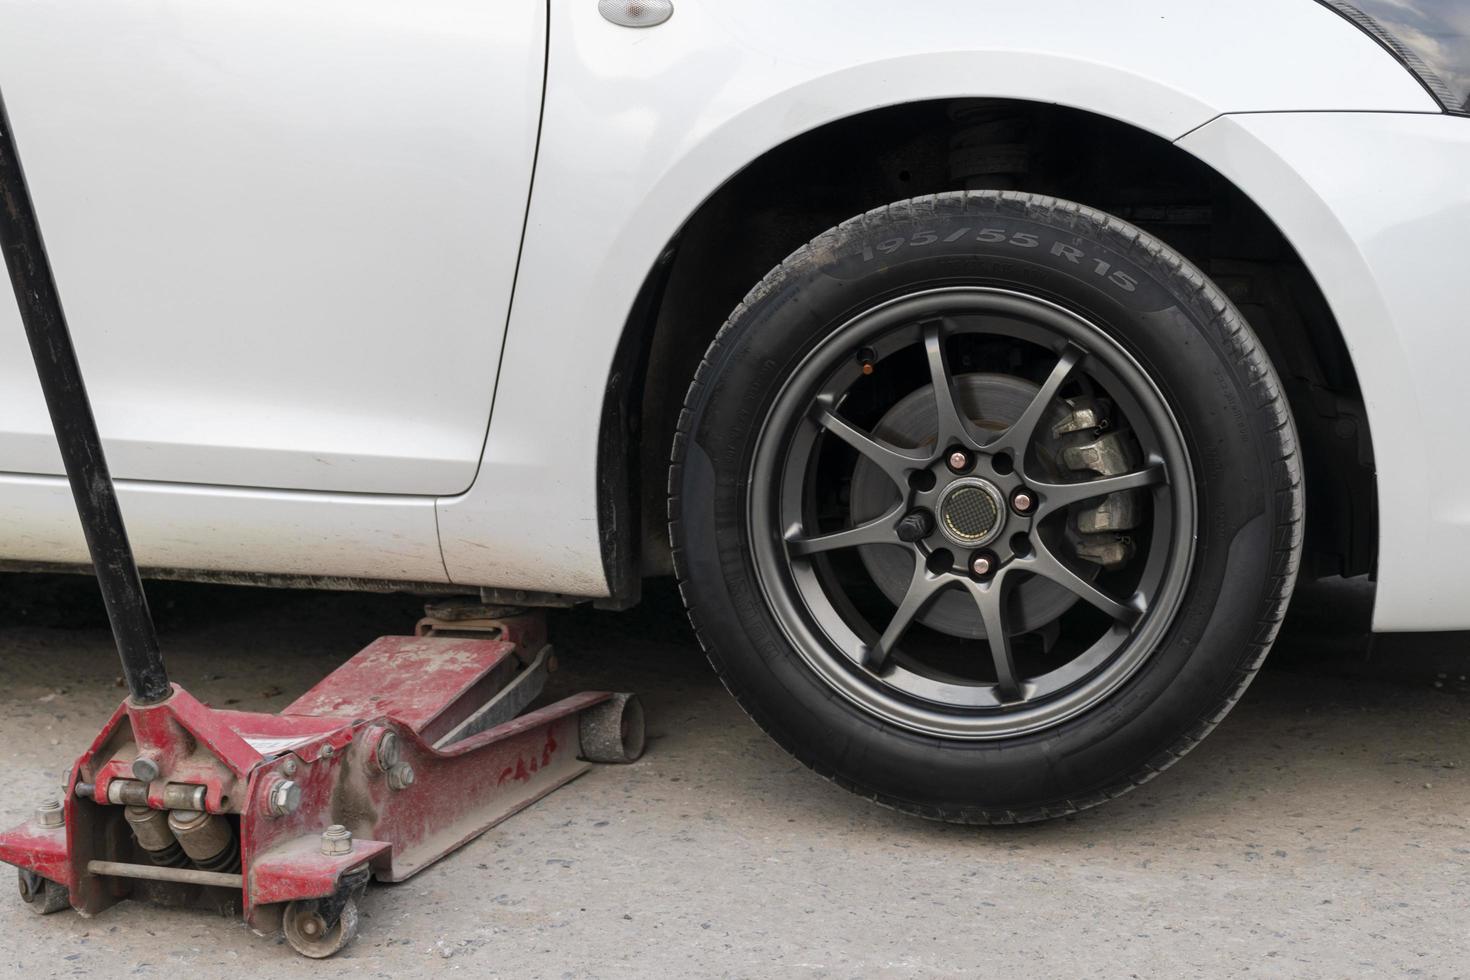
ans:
(972, 512)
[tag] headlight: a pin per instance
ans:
(1430, 37)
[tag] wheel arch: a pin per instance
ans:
(640, 129)
(868, 158)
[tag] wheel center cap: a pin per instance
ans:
(971, 512)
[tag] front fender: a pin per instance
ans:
(640, 126)
(1376, 205)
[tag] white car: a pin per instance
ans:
(986, 371)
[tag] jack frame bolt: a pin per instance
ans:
(284, 797)
(400, 776)
(145, 768)
(980, 566)
(388, 751)
(50, 814)
(336, 839)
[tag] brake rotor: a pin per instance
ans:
(991, 401)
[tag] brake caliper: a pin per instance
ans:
(1089, 444)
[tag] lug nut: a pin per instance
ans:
(959, 461)
(1022, 501)
(980, 565)
(915, 526)
(50, 814)
(284, 797)
(336, 839)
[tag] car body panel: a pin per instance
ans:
(329, 539)
(1378, 206)
(285, 233)
(640, 126)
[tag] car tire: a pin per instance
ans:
(814, 505)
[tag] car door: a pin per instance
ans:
(285, 231)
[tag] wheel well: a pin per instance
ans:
(812, 182)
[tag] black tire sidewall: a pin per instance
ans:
(1187, 338)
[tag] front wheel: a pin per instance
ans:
(986, 505)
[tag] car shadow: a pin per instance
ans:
(1337, 717)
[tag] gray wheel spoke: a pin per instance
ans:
(953, 428)
(923, 587)
(880, 530)
(1042, 562)
(1018, 437)
(990, 598)
(894, 462)
(863, 592)
(1055, 496)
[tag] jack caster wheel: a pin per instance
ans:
(613, 730)
(308, 933)
(42, 895)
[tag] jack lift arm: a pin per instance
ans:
(410, 749)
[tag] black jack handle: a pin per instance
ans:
(76, 430)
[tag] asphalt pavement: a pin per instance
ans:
(1322, 831)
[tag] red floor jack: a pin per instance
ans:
(407, 751)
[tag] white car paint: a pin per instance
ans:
(285, 232)
(637, 128)
(256, 532)
(1378, 207)
(641, 126)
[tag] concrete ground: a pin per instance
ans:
(1322, 831)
